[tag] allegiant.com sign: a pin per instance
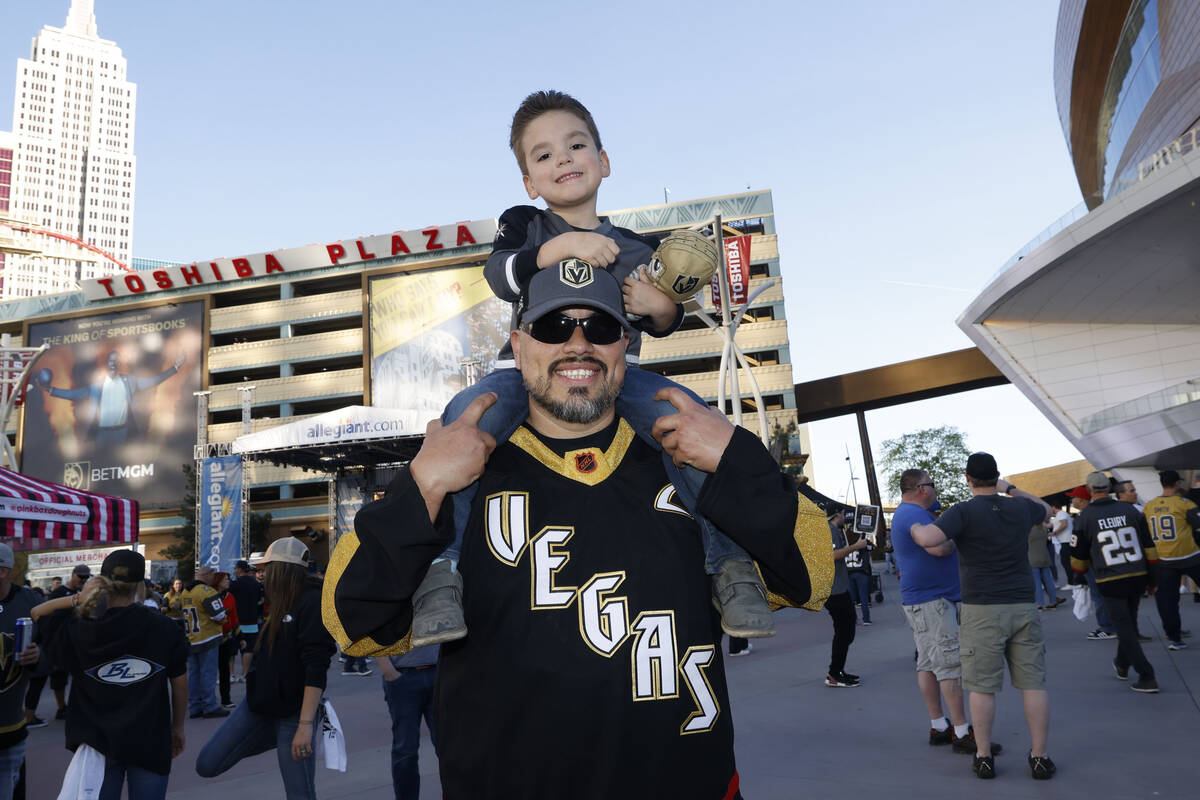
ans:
(222, 271)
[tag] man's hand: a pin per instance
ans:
(29, 656)
(696, 436)
(645, 299)
(453, 457)
(861, 544)
(594, 248)
(178, 742)
(390, 673)
(179, 359)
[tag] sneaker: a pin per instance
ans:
(984, 767)
(216, 713)
(60, 714)
(937, 737)
(230, 706)
(745, 651)
(967, 744)
(1122, 672)
(841, 681)
(741, 598)
(1177, 645)
(364, 672)
(851, 676)
(1099, 634)
(1146, 686)
(437, 607)
(238, 679)
(1041, 767)
(36, 722)
(866, 623)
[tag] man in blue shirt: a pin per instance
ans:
(930, 593)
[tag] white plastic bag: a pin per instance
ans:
(1083, 602)
(84, 776)
(332, 741)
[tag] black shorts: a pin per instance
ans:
(247, 641)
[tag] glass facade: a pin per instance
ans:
(1134, 76)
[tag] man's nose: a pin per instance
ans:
(578, 343)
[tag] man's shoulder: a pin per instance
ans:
(909, 514)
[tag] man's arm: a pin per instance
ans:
(1007, 488)
(841, 552)
(179, 699)
(929, 536)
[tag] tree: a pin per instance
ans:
(942, 452)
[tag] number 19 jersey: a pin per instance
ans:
(1112, 539)
(1171, 520)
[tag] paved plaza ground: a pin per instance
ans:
(797, 738)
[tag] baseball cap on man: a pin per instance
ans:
(245, 566)
(288, 550)
(982, 467)
(573, 283)
(6, 556)
(124, 565)
(1097, 481)
(1081, 492)
(82, 570)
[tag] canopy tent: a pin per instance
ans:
(39, 515)
(355, 436)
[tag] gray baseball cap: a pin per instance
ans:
(573, 283)
(6, 556)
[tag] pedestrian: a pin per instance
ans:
(129, 664)
(1081, 496)
(1039, 562)
(858, 570)
(1113, 540)
(999, 621)
(1173, 521)
(840, 605)
(286, 679)
(229, 637)
(58, 678)
(408, 682)
(15, 602)
(203, 616)
(1060, 533)
(248, 592)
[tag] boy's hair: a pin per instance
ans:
(544, 102)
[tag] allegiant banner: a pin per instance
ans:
(110, 408)
(220, 522)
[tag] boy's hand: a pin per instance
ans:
(645, 299)
(594, 248)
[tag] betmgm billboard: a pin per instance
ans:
(432, 334)
(110, 407)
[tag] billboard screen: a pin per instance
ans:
(432, 334)
(110, 407)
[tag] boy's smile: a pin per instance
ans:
(565, 167)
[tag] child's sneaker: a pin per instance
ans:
(437, 606)
(742, 600)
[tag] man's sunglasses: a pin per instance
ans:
(558, 328)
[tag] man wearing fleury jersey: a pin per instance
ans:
(593, 667)
(1173, 521)
(1111, 538)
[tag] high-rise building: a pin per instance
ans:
(73, 167)
(7, 143)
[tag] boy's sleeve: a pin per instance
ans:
(644, 324)
(366, 601)
(513, 261)
(758, 507)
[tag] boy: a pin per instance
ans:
(558, 149)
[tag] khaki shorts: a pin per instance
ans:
(990, 635)
(935, 632)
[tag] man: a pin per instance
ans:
(592, 667)
(1060, 534)
(248, 594)
(15, 602)
(839, 605)
(408, 682)
(1173, 520)
(1127, 493)
(203, 615)
(58, 678)
(55, 582)
(1112, 540)
(1081, 496)
(931, 597)
(999, 620)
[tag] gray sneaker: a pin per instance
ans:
(437, 607)
(740, 596)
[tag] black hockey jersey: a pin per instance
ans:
(591, 668)
(1111, 538)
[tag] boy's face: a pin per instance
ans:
(563, 163)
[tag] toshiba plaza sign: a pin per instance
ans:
(223, 271)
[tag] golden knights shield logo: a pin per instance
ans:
(574, 272)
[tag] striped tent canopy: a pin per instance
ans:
(39, 515)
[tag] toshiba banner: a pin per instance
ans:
(110, 407)
(737, 267)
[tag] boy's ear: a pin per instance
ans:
(605, 167)
(529, 190)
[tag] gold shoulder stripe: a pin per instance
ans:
(812, 538)
(346, 547)
(588, 465)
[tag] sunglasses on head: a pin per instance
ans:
(558, 328)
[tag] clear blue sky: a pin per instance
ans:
(911, 147)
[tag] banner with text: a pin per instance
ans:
(220, 522)
(737, 268)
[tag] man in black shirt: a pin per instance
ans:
(247, 592)
(15, 602)
(58, 678)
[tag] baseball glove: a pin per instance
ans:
(683, 263)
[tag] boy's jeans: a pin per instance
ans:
(635, 403)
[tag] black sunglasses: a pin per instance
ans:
(558, 328)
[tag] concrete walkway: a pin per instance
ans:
(798, 738)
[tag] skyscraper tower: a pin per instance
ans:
(73, 164)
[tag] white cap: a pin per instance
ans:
(289, 550)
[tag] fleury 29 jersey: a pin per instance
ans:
(1111, 538)
(592, 666)
(1172, 522)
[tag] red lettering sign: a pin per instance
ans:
(191, 274)
(431, 242)
(242, 267)
(107, 284)
(216, 271)
(335, 251)
(464, 236)
(273, 264)
(398, 245)
(737, 268)
(161, 279)
(135, 284)
(362, 251)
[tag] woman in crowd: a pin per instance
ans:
(122, 657)
(173, 600)
(229, 644)
(285, 681)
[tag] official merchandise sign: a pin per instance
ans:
(220, 522)
(432, 334)
(221, 271)
(66, 560)
(737, 268)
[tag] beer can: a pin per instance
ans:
(24, 634)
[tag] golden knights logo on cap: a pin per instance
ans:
(574, 272)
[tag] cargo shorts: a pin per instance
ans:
(935, 632)
(990, 636)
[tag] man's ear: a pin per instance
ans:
(514, 339)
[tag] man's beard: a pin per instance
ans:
(584, 404)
